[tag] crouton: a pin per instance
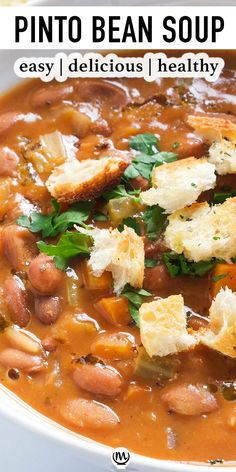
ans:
(163, 327)
(221, 333)
(202, 231)
(120, 253)
(213, 128)
(74, 181)
(179, 183)
(223, 155)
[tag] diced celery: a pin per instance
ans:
(120, 208)
(156, 368)
(72, 292)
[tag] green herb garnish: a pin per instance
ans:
(100, 217)
(147, 143)
(175, 145)
(131, 222)
(223, 194)
(177, 264)
(135, 300)
(56, 222)
(149, 156)
(121, 192)
(70, 244)
(150, 263)
(219, 277)
(155, 220)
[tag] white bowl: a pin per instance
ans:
(29, 441)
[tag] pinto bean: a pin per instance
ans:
(189, 146)
(18, 246)
(49, 344)
(23, 340)
(98, 379)
(50, 95)
(89, 414)
(8, 162)
(139, 183)
(197, 322)
(93, 90)
(81, 124)
(189, 400)
(152, 250)
(16, 295)
(101, 127)
(43, 275)
(7, 120)
(15, 359)
(157, 278)
(47, 309)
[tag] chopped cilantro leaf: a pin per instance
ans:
(131, 223)
(219, 277)
(175, 145)
(135, 299)
(55, 223)
(70, 244)
(164, 157)
(146, 142)
(150, 263)
(177, 264)
(222, 195)
(120, 191)
(142, 165)
(99, 217)
(155, 219)
(148, 156)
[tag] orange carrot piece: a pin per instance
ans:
(224, 275)
(115, 310)
(91, 282)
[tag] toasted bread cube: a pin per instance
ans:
(201, 231)
(86, 180)
(163, 327)
(221, 334)
(213, 128)
(178, 184)
(121, 253)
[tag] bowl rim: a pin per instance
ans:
(56, 433)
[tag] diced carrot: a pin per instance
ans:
(115, 310)
(75, 329)
(113, 346)
(223, 275)
(136, 392)
(91, 282)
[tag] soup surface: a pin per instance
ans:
(69, 345)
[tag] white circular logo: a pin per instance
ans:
(120, 458)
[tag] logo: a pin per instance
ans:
(120, 458)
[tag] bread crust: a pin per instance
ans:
(66, 185)
(213, 128)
